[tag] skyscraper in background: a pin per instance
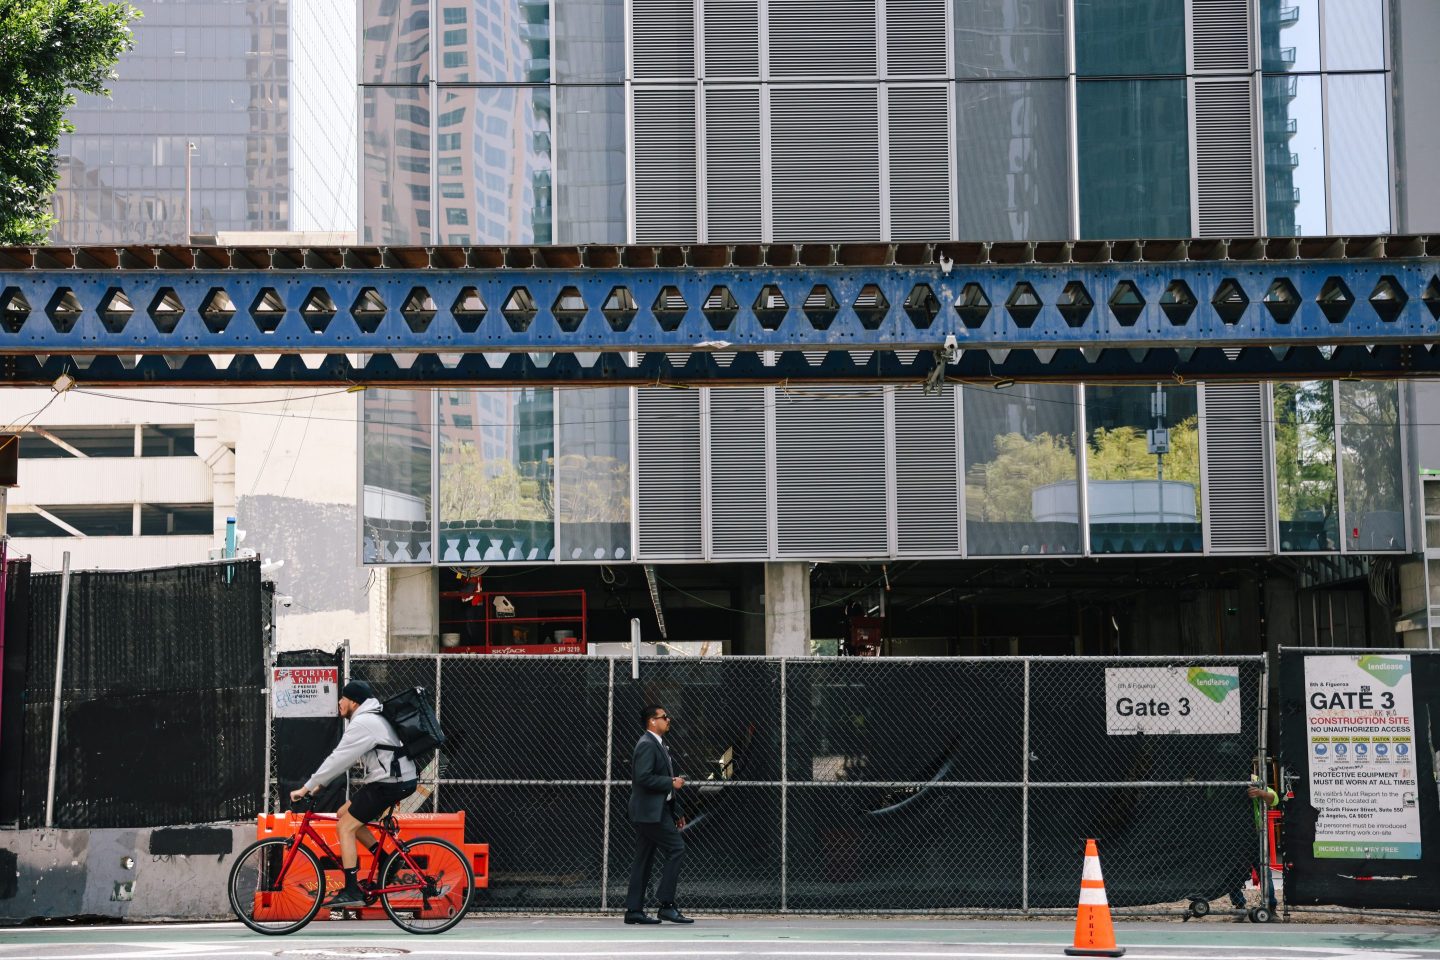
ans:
(262, 89)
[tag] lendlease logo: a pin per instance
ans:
(1216, 686)
(1388, 670)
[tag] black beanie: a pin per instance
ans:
(357, 690)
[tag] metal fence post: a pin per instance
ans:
(344, 679)
(268, 692)
(784, 795)
(59, 677)
(435, 797)
(1267, 882)
(1025, 799)
(609, 759)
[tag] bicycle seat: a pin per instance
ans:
(386, 817)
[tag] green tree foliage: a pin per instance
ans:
(594, 489)
(1305, 450)
(473, 488)
(1121, 453)
(1370, 416)
(49, 51)
(999, 490)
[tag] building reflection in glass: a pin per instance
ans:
(1022, 492)
(215, 73)
(396, 476)
(493, 154)
(1372, 470)
(1306, 500)
(1142, 469)
(497, 475)
(593, 478)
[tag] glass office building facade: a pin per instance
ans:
(601, 121)
(597, 121)
(607, 475)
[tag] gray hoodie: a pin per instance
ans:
(365, 728)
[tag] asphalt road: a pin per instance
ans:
(718, 938)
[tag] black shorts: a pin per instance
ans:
(368, 802)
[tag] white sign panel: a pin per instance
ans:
(1360, 718)
(1172, 700)
(305, 691)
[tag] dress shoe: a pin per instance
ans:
(639, 916)
(671, 913)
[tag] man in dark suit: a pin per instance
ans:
(655, 810)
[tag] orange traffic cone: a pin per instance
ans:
(1094, 934)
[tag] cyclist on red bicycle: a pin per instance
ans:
(388, 778)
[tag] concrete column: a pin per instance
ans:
(787, 609)
(219, 456)
(414, 609)
(1414, 605)
(750, 594)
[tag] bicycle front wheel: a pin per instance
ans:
(270, 897)
(435, 891)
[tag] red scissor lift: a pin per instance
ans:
(514, 621)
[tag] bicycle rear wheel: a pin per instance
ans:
(443, 885)
(267, 902)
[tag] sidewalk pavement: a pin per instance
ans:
(724, 937)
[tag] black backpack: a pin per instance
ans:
(413, 718)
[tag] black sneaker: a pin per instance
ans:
(346, 896)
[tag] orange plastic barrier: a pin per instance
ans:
(446, 826)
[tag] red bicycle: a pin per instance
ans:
(277, 885)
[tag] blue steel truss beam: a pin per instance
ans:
(388, 320)
(1386, 361)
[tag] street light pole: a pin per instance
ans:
(189, 149)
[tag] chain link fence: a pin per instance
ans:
(849, 784)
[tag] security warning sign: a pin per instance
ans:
(1172, 700)
(1360, 717)
(305, 691)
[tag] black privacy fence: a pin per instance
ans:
(844, 784)
(162, 707)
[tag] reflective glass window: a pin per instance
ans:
(1134, 157)
(493, 148)
(210, 72)
(1022, 482)
(1354, 35)
(1142, 469)
(593, 474)
(1010, 38)
(1358, 148)
(1306, 487)
(1290, 35)
(1294, 157)
(396, 142)
(1129, 38)
(590, 184)
(1012, 160)
(1370, 460)
(497, 476)
(397, 452)
(589, 41)
(495, 41)
(395, 41)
